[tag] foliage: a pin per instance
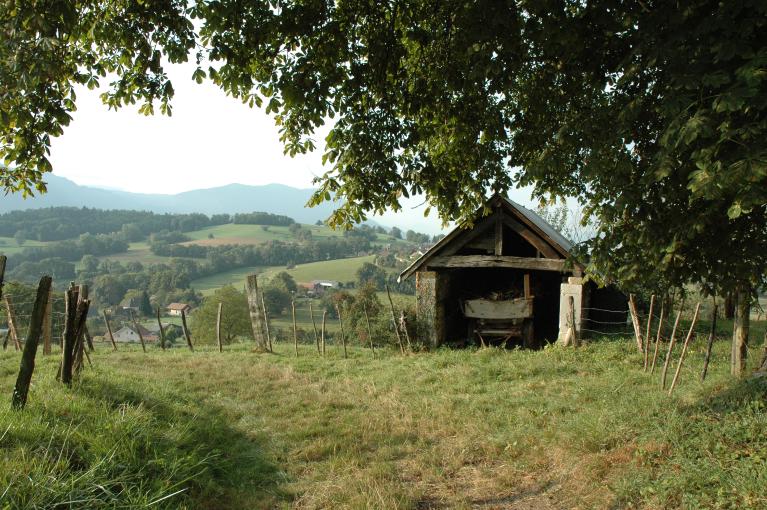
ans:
(371, 274)
(235, 318)
(262, 218)
(284, 281)
(276, 299)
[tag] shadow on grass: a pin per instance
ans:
(231, 470)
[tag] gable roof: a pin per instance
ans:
(178, 306)
(533, 221)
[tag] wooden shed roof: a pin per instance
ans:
(556, 246)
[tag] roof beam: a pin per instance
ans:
(459, 261)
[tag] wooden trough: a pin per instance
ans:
(500, 319)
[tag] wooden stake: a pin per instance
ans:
(314, 326)
(89, 339)
(162, 330)
(647, 334)
(256, 321)
(70, 316)
(48, 323)
(403, 327)
(684, 350)
(266, 324)
(218, 327)
(341, 324)
(710, 345)
(138, 330)
(370, 331)
(21, 390)
(109, 331)
(295, 330)
(394, 321)
(635, 321)
(657, 337)
(741, 326)
(186, 331)
(12, 323)
(670, 347)
(324, 315)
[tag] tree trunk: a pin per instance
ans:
(729, 306)
(21, 389)
(740, 329)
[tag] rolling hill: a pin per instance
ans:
(232, 198)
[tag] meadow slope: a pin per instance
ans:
(557, 428)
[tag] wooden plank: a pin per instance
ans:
(528, 292)
(506, 309)
(21, 389)
(529, 263)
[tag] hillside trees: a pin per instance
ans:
(235, 320)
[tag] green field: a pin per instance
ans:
(8, 245)
(557, 428)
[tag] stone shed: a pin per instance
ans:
(505, 281)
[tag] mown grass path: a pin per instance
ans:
(558, 428)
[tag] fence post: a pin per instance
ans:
(635, 321)
(647, 334)
(48, 323)
(162, 330)
(341, 325)
(12, 323)
(571, 320)
(710, 344)
(109, 331)
(266, 323)
(324, 315)
(218, 327)
(255, 314)
(684, 350)
(670, 347)
(186, 331)
(394, 321)
(138, 330)
(314, 327)
(657, 336)
(67, 351)
(21, 390)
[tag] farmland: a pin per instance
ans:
(557, 428)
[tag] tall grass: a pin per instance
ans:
(558, 428)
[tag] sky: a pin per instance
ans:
(210, 140)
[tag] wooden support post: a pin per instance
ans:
(138, 330)
(684, 350)
(658, 335)
(710, 345)
(186, 331)
(647, 334)
(741, 327)
(295, 329)
(109, 331)
(324, 315)
(88, 339)
(161, 330)
(635, 321)
(266, 324)
(671, 347)
(403, 327)
(341, 325)
(218, 327)
(256, 320)
(21, 390)
(370, 330)
(394, 321)
(48, 323)
(314, 327)
(82, 316)
(528, 291)
(12, 323)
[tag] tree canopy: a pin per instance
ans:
(652, 113)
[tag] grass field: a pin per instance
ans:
(9, 246)
(558, 428)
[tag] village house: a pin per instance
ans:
(129, 334)
(177, 308)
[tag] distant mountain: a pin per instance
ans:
(232, 198)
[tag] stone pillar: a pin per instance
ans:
(575, 288)
(429, 308)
